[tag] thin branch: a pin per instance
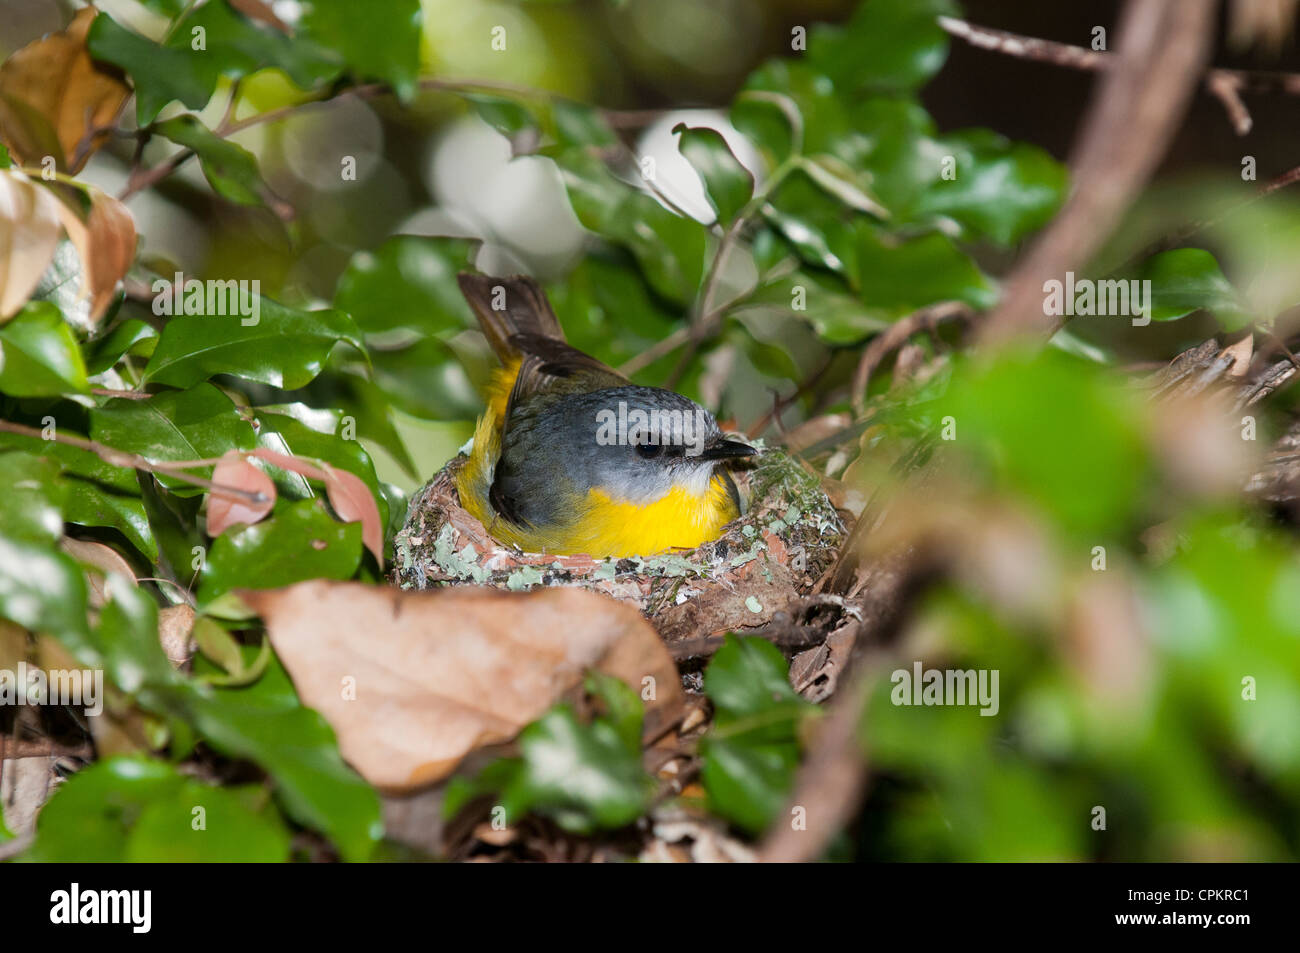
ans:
(1226, 85)
(1163, 48)
(131, 461)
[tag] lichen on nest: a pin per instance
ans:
(769, 557)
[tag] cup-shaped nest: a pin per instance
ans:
(770, 557)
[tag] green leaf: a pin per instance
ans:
(210, 42)
(1001, 190)
(898, 275)
(32, 501)
(837, 316)
(622, 706)
(286, 434)
(193, 424)
(231, 170)
(300, 541)
(41, 589)
(39, 356)
(379, 39)
(265, 723)
(408, 283)
(279, 345)
(134, 809)
(95, 493)
(427, 381)
(888, 45)
(584, 777)
(5, 163)
(834, 177)
(728, 184)
(752, 750)
(669, 249)
(1188, 279)
(1093, 438)
(133, 337)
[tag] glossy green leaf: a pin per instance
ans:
(133, 337)
(752, 749)
(1189, 279)
(39, 355)
(230, 169)
(379, 39)
(728, 185)
(199, 423)
(300, 541)
(31, 506)
(899, 275)
(583, 776)
(278, 345)
(133, 809)
(888, 45)
(999, 189)
(407, 283)
(209, 42)
(669, 249)
(41, 589)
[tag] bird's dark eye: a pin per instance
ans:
(648, 451)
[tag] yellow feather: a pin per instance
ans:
(602, 526)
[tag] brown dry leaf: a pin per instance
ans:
(105, 241)
(56, 101)
(351, 499)
(102, 557)
(29, 234)
(175, 623)
(412, 682)
(257, 10)
(232, 470)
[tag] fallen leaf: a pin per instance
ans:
(412, 682)
(29, 234)
(175, 624)
(225, 510)
(105, 241)
(352, 501)
(102, 557)
(56, 101)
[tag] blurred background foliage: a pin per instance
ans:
(722, 204)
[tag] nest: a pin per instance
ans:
(771, 556)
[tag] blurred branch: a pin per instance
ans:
(1226, 85)
(1163, 48)
(132, 461)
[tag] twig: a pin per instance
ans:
(121, 458)
(1226, 85)
(923, 319)
(1163, 48)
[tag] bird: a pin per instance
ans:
(570, 457)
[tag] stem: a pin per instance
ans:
(121, 458)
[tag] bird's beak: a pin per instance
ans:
(727, 450)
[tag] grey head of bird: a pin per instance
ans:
(636, 444)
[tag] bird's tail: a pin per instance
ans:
(508, 308)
